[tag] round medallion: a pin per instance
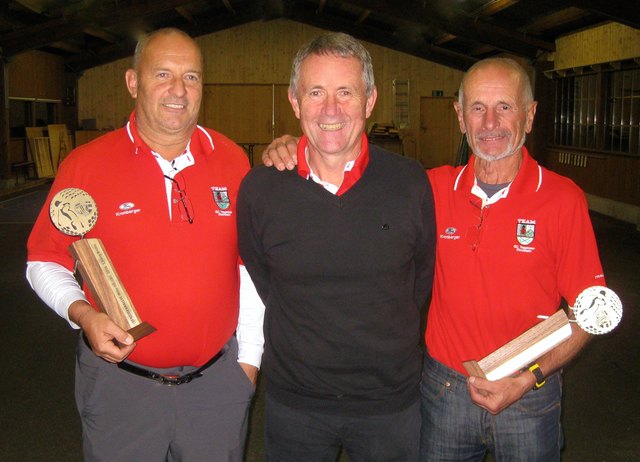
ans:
(597, 310)
(73, 211)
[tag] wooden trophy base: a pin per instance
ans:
(105, 285)
(522, 350)
(141, 330)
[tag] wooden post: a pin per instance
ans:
(5, 158)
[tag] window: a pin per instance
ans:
(30, 112)
(575, 120)
(599, 110)
(622, 116)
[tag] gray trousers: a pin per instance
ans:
(126, 417)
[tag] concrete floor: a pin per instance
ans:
(38, 419)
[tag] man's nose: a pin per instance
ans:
(491, 119)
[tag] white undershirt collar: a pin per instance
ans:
(171, 167)
(332, 188)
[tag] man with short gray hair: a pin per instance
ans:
(341, 252)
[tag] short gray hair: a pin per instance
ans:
(527, 92)
(339, 44)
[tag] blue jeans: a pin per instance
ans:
(456, 429)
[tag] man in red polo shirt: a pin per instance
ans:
(513, 240)
(165, 190)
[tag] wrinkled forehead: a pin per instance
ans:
(493, 81)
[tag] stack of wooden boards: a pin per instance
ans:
(48, 151)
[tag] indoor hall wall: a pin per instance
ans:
(602, 44)
(611, 181)
(35, 74)
(261, 53)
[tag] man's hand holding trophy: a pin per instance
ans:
(74, 212)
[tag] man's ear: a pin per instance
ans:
(131, 78)
(459, 111)
(531, 114)
(371, 102)
(294, 103)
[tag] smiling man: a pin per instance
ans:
(513, 240)
(166, 190)
(341, 251)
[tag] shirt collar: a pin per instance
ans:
(353, 170)
(170, 168)
(528, 179)
(476, 190)
(200, 142)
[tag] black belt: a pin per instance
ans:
(171, 379)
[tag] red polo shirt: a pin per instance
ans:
(501, 265)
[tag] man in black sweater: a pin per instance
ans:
(341, 251)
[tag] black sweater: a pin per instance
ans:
(344, 279)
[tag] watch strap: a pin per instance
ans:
(540, 380)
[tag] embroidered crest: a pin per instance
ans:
(221, 196)
(526, 231)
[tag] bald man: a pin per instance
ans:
(166, 191)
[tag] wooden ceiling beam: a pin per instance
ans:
(186, 14)
(625, 12)
(365, 14)
(227, 5)
(66, 46)
(549, 21)
(100, 33)
(61, 28)
(492, 7)
(508, 40)
(385, 39)
(443, 38)
(204, 26)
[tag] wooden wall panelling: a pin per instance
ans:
(32, 132)
(5, 130)
(613, 177)
(439, 132)
(35, 74)
(84, 136)
(257, 52)
(42, 156)
(60, 143)
(17, 150)
(103, 95)
(241, 112)
(286, 121)
(606, 43)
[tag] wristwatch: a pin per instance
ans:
(540, 381)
